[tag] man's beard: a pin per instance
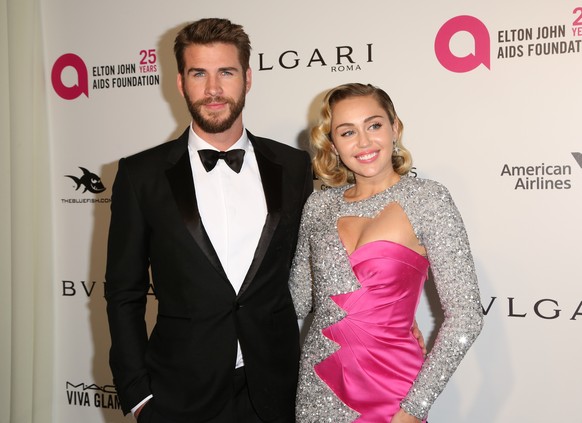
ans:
(213, 124)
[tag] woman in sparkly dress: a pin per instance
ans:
(365, 247)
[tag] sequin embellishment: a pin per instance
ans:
(321, 257)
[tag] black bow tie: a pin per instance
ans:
(233, 158)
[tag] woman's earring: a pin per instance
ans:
(395, 148)
(337, 161)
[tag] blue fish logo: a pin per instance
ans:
(90, 181)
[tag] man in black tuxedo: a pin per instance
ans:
(214, 216)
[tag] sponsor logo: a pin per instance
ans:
(553, 39)
(92, 395)
(79, 86)
(70, 75)
(71, 288)
(344, 58)
(91, 183)
(540, 176)
(543, 308)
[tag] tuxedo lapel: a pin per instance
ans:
(182, 185)
(181, 182)
(271, 177)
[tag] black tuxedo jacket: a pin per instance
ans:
(188, 361)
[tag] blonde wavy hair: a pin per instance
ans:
(325, 162)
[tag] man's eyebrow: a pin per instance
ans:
(222, 69)
(232, 69)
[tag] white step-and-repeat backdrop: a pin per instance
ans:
(490, 93)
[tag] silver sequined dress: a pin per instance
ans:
(321, 269)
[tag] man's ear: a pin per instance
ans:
(249, 77)
(180, 84)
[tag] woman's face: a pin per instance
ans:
(363, 135)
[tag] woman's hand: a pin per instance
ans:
(403, 417)
(418, 335)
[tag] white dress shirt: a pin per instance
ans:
(232, 208)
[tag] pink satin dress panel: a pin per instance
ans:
(379, 358)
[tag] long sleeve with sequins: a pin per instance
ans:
(300, 281)
(441, 230)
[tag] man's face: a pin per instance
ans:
(214, 86)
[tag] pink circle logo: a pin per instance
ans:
(82, 84)
(480, 34)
